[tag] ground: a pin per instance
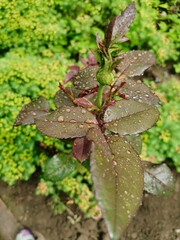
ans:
(157, 219)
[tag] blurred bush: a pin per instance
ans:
(163, 141)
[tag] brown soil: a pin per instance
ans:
(157, 219)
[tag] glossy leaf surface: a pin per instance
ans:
(135, 141)
(62, 99)
(58, 167)
(86, 78)
(32, 110)
(66, 122)
(82, 148)
(118, 180)
(158, 179)
(134, 63)
(128, 117)
(119, 25)
(138, 91)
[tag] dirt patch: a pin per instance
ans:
(157, 219)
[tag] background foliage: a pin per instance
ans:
(40, 39)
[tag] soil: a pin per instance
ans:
(157, 219)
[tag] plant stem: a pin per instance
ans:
(99, 96)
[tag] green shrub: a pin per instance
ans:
(23, 78)
(163, 142)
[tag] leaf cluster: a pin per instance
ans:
(104, 111)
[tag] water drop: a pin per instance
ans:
(128, 151)
(115, 163)
(60, 119)
(33, 113)
(81, 126)
(72, 121)
(83, 110)
(68, 110)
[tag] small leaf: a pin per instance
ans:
(158, 179)
(135, 141)
(86, 78)
(73, 71)
(119, 25)
(32, 110)
(118, 180)
(134, 63)
(128, 117)
(138, 91)
(61, 99)
(82, 148)
(58, 167)
(83, 102)
(66, 122)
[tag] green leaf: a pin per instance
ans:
(134, 63)
(32, 110)
(118, 180)
(86, 78)
(128, 117)
(138, 91)
(58, 167)
(135, 141)
(66, 122)
(61, 99)
(158, 179)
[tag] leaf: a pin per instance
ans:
(134, 63)
(82, 148)
(58, 167)
(158, 179)
(128, 117)
(32, 110)
(118, 180)
(135, 141)
(66, 122)
(73, 71)
(61, 99)
(119, 25)
(86, 78)
(83, 102)
(138, 91)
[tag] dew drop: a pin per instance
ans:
(60, 119)
(68, 110)
(33, 113)
(81, 126)
(83, 111)
(72, 121)
(114, 163)
(89, 121)
(128, 151)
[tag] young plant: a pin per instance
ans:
(104, 111)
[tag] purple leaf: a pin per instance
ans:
(158, 179)
(135, 141)
(61, 99)
(134, 63)
(66, 122)
(86, 78)
(99, 42)
(119, 25)
(32, 110)
(118, 180)
(138, 91)
(82, 148)
(91, 61)
(128, 117)
(73, 71)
